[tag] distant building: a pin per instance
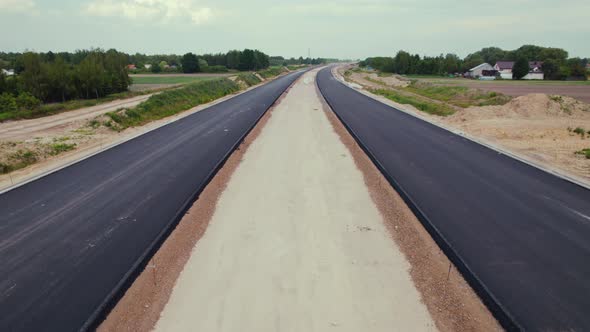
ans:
(504, 69)
(147, 66)
(481, 70)
(8, 72)
(131, 67)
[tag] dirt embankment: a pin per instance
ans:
(372, 80)
(546, 129)
(538, 126)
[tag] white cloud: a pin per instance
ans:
(155, 10)
(17, 5)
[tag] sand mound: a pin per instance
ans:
(529, 106)
(393, 81)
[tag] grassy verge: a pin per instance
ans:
(428, 107)
(51, 109)
(172, 102)
(294, 67)
(458, 95)
(169, 79)
(271, 72)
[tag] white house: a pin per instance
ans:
(9, 72)
(504, 69)
(147, 66)
(478, 71)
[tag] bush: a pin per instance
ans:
(584, 152)
(580, 131)
(7, 103)
(58, 148)
(27, 101)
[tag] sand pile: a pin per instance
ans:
(393, 81)
(533, 106)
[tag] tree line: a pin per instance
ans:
(49, 77)
(246, 59)
(556, 63)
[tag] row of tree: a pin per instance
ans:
(59, 77)
(556, 64)
(192, 63)
(281, 61)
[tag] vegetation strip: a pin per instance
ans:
(171, 102)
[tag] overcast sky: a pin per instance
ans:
(342, 29)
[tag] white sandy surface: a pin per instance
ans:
(296, 243)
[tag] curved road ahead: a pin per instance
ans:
(525, 234)
(68, 239)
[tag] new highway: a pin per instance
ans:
(72, 240)
(520, 235)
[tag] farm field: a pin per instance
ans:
(576, 89)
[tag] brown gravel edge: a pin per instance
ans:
(451, 302)
(139, 309)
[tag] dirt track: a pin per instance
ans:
(26, 129)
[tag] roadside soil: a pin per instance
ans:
(315, 240)
(536, 126)
(372, 80)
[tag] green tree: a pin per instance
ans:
(551, 69)
(190, 63)
(530, 52)
(59, 78)
(401, 62)
(33, 77)
(452, 63)
(233, 59)
(521, 68)
(90, 74)
(247, 60)
(155, 68)
(473, 60)
(491, 55)
(3, 83)
(556, 54)
(577, 69)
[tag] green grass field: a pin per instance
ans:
(169, 79)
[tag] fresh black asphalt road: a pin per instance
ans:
(68, 239)
(524, 233)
